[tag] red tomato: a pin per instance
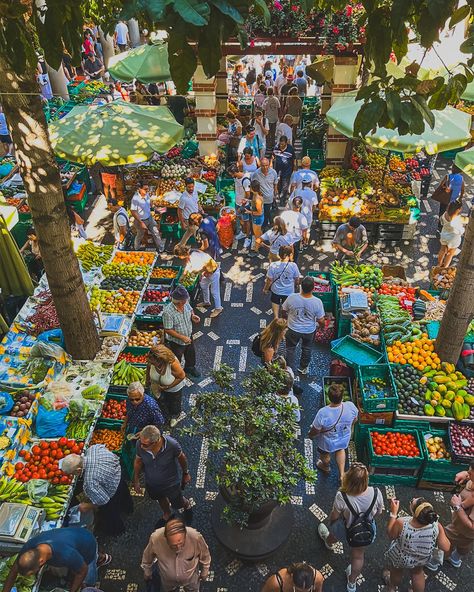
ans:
(36, 450)
(23, 453)
(53, 445)
(62, 442)
(19, 466)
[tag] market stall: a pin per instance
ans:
(416, 422)
(146, 63)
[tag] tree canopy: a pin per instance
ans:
(197, 28)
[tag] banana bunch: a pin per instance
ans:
(53, 506)
(125, 373)
(13, 491)
(91, 255)
(330, 171)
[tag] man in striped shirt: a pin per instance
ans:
(103, 484)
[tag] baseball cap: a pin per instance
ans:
(180, 293)
(305, 160)
(305, 178)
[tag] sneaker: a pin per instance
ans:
(203, 305)
(455, 562)
(351, 587)
(192, 372)
(303, 370)
(162, 245)
(104, 559)
(252, 254)
(240, 236)
(216, 312)
(173, 421)
(432, 566)
(247, 243)
(323, 533)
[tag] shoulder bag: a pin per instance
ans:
(442, 194)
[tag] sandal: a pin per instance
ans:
(104, 559)
(322, 467)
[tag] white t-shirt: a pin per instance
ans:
(189, 203)
(200, 261)
(295, 223)
(277, 240)
(242, 186)
(283, 129)
(336, 425)
(303, 313)
(258, 131)
(296, 177)
(279, 82)
(141, 205)
(122, 31)
(451, 231)
(283, 275)
(360, 503)
(271, 107)
(310, 199)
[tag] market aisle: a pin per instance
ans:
(228, 338)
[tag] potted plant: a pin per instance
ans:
(257, 465)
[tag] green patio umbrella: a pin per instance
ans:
(14, 277)
(115, 133)
(468, 94)
(465, 161)
(146, 63)
(451, 130)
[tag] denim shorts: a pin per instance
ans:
(242, 214)
(258, 220)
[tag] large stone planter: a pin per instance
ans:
(269, 529)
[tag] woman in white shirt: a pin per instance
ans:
(278, 236)
(451, 233)
(332, 428)
(282, 279)
(249, 163)
(353, 498)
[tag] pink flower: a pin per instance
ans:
(321, 22)
(362, 30)
(294, 8)
(335, 30)
(348, 10)
(252, 43)
(277, 5)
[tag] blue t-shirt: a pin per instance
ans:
(72, 547)
(455, 182)
(284, 160)
(208, 230)
(3, 125)
(145, 413)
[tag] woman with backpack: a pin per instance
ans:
(265, 345)
(282, 279)
(414, 538)
(332, 428)
(356, 504)
(297, 576)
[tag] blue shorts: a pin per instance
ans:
(258, 220)
(242, 214)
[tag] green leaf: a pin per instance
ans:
(262, 8)
(421, 105)
(368, 117)
(412, 117)
(467, 46)
(193, 12)
(155, 8)
(182, 60)
(209, 47)
(392, 99)
(459, 15)
(439, 99)
(229, 10)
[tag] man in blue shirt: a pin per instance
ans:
(206, 234)
(250, 140)
(283, 163)
(5, 137)
(74, 548)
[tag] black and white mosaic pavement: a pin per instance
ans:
(228, 338)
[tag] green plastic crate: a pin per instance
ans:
(328, 380)
(343, 327)
(398, 478)
(327, 298)
(224, 182)
(432, 328)
(318, 160)
(402, 464)
(439, 470)
(167, 281)
(365, 373)
(354, 353)
(127, 450)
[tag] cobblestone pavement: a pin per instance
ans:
(228, 338)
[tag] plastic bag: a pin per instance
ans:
(37, 489)
(54, 335)
(51, 424)
(45, 349)
(6, 403)
(225, 230)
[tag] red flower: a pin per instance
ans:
(335, 30)
(277, 5)
(321, 22)
(294, 8)
(348, 10)
(252, 43)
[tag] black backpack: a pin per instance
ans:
(361, 532)
(256, 348)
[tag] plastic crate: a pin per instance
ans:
(354, 353)
(459, 457)
(167, 281)
(432, 328)
(394, 271)
(440, 470)
(127, 451)
(318, 160)
(327, 298)
(328, 380)
(224, 182)
(400, 463)
(142, 316)
(343, 327)
(389, 403)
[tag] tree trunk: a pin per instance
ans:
(460, 306)
(24, 113)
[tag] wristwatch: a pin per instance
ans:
(457, 508)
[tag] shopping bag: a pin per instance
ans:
(442, 194)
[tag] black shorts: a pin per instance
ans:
(5, 139)
(277, 298)
(174, 494)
